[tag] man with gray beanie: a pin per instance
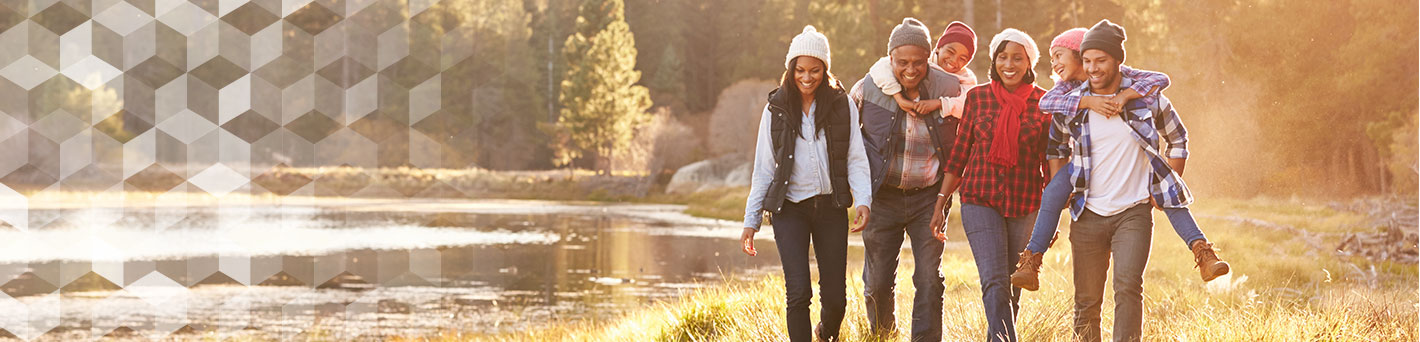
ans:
(1117, 171)
(905, 157)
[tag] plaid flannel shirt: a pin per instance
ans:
(1061, 100)
(1015, 191)
(1070, 138)
(918, 166)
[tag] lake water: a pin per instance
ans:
(351, 270)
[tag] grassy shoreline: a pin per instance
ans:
(553, 185)
(1281, 289)
(357, 184)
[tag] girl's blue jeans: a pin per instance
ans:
(1053, 201)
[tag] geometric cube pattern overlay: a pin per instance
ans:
(150, 95)
(213, 96)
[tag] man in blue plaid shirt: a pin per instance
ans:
(1117, 172)
(1148, 123)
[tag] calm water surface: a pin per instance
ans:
(348, 271)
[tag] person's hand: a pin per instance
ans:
(906, 105)
(747, 242)
(939, 225)
(1155, 204)
(928, 106)
(1117, 101)
(1101, 104)
(860, 221)
(939, 219)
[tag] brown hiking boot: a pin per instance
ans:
(1209, 265)
(1027, 275)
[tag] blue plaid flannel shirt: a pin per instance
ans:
(1150, 123)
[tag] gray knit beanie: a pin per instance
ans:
(910, 32)
(1107, 37)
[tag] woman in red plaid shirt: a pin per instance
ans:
(997, 163)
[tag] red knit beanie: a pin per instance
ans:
(958, 32)
(1070, 39)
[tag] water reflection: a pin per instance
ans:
(286, 271)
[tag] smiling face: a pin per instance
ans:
(1066, 64)
(1102, 69)
(909, 65)
(808, 75)
(1012, 64)
(952, 57)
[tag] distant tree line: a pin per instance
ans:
(1282, 97)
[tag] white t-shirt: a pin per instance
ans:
(1119, 178)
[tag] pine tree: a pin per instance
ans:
(602, 106)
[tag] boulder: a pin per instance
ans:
(740, 175)
(710, 174)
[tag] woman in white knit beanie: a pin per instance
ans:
(996, 164)
(809, 166)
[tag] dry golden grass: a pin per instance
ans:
(1281, 289)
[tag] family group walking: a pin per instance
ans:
(919, 128)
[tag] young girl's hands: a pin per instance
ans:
(1102, 105)
(928, 106)
(906, 105)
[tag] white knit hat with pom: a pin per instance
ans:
(809, 43)
(1014, 35)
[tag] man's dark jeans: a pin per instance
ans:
(896, 213)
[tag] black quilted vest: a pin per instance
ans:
(783, 132)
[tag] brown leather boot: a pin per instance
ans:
(1027, 275)
(1209, 265)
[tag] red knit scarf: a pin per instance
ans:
(1006, 138)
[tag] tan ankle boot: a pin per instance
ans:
(1027, 275)
(1209, 265)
